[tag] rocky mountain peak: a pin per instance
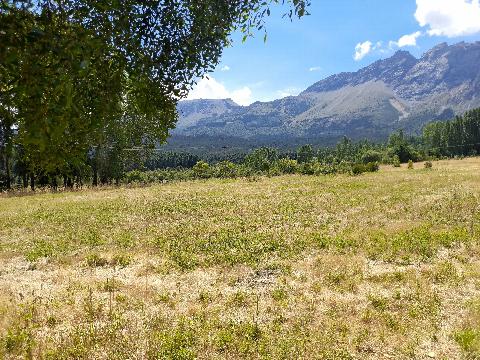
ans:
(390, 70)
(435, 52)
(401, 56)
(453, 68)
(400, 91)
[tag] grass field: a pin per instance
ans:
(379, 266)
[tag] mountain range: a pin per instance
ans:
(398, 92)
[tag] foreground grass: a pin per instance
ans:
(383, 265)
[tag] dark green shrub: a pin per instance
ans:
(307, 168)
(286, 166)
(371, 156)
(201, 170)
(245, 171)
(135, 176)
(225, 169)
(261, 159)
(325, 169)
(305, 154)
(372, 167)
(344, 167)
(358, 169)
(428, 165)
(398, 145)
(396, 161)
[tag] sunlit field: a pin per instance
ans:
(379, 266)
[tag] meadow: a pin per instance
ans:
(383, 265)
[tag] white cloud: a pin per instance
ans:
(409, 40)
(362, 49)
(406, 40)
(449, 18)
(242, 96)
(315, 68)
(225, 68)
(209, 88)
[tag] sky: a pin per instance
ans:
(339, 35)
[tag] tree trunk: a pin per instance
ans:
(54, 183)
(7, 168)
(32, 182)
(25, 180)
(95, 173)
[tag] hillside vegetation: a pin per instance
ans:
(384, 265)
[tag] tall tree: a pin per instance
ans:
(88, 75)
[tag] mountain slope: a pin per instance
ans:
(191, 112)
(397, 92)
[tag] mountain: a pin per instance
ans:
(191, 112)
(398, 92)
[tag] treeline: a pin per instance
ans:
(184, 159)
(457, 137)
(262, 161)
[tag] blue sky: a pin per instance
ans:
(339, 35)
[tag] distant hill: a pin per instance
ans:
(398, 92)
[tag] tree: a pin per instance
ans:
(398, 145)
(371, 156)
(345, 149)
(261, 159)
(305, 154)
(88, 75)
(6, 140)
(460, 136)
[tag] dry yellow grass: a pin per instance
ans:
(379, 266)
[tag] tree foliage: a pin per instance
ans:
(460, 136)
(81, 80)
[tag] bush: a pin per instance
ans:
(305, 154)
(428, 165)
(261, 159)
(344, 167)
(135, 176)
(225, 169)
(371, 156)
(398, 145)
(396, 161)
(326, 169)
(358, 169)
(201, 170)
(372, 167)
(309, 168)
(286, 166)
(410, 164)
